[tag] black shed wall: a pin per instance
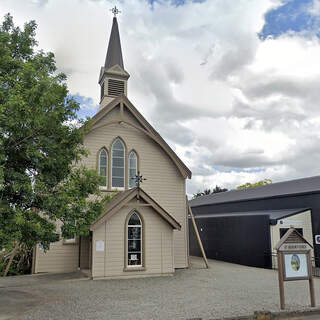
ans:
(309, 200)
(240, 239)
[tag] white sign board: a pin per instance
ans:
(296, 265)
(294, 247)
(100, 245)
(290, 222)
(294, 261)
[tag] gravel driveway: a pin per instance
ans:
(224, 290)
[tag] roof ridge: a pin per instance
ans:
(282, 188)
(257, 187)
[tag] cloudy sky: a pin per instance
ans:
(233, 86)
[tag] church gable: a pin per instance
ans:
(134, 198)
(112, 115)
(137, 151)
(116, 114)
(130, 116)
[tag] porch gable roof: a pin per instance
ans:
(121, 199)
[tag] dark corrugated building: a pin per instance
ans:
(242, 226)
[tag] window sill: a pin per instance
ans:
(128, 269)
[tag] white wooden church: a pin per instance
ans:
(143, 230)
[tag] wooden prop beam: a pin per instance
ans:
(197, 234)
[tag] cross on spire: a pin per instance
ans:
(138, 179)
(115, 11)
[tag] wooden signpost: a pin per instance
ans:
(294, 262)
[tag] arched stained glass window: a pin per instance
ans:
(117, 164)
(134, 241)
(103, 167)
(133, 166)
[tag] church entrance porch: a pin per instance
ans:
(133, 238)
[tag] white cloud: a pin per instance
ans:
(234, 108)
(315, 8)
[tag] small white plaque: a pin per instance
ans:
(317, 238)
(290, 222)
(100, 245)
(296, 265)
(295, 247)
(133, 257)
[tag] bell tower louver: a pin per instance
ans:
(113, 77)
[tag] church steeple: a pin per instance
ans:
(113, 77)
(114, 53)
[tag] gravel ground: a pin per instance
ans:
(224, 290)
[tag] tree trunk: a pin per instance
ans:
(22, 256)
(13, 253)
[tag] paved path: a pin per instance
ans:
(224, 290)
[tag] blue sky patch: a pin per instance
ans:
(292, 15)
(87, 106)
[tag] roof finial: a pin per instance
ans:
(138, 179)
(115, 11)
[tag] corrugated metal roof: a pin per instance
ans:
(274, 215)
(305, 185)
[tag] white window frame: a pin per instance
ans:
(141, 241)
(107, 162)
(124, 165)
(129, 168)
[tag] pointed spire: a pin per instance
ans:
(113, 77)
(114, 54)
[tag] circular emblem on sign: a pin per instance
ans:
(295, 262)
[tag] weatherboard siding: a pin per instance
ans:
(164, 183)
(59, 258)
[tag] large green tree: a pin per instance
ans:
(40, 148)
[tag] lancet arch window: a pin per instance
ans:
(118, 164)
(134, 242)
(103, 167)
(133, 168)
